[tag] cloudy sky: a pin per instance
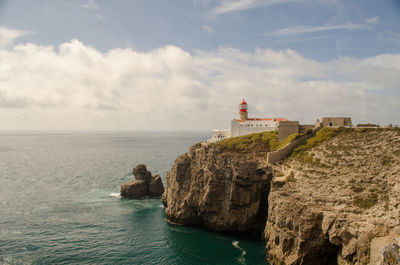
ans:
(186, 64)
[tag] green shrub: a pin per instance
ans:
(291, 177)
(366, 202)
(386, 161)
(357, 189)
(307, 159)
(309, 131)
(367, 125)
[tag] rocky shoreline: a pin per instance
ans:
(336, 203)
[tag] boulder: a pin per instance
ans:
(145, 184)
(134, 189)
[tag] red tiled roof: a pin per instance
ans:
(265, 119)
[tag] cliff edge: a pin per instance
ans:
(335, 200)
(222, 191)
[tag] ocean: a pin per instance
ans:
(60, 204)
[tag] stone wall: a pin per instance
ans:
(275, 156)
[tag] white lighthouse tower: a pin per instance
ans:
(243, 111)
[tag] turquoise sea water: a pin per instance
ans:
(59, 203)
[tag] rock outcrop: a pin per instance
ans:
(145, 184)
(337, 202)
(222, 191)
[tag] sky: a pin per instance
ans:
(186, 64)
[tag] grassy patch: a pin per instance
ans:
(289, 139)
(256, 142)
(366, 202)
(321, 136)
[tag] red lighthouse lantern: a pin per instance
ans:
(243, 110)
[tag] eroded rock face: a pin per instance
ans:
(144, 184)
(342, 206)
(339, 203)
(220, 191)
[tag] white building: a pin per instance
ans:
(245, 125)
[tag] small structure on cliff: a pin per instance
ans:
(336, 122)
(245, 125)
(145, 184)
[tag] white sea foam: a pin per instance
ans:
(241, 258)
(115, 195)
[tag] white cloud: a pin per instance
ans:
(75, 86)
(296, 30)
(227, 6)
(101, 18)
(372, 20)
(90, 4)
(7, 35)
(208, 29)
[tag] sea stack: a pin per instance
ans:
(145, 184)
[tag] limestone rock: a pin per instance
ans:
(144, 184)
(337, 203)
(220, 191)
(134, 189)
(340, 208)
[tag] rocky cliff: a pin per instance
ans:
(219, 190)
(336, 200)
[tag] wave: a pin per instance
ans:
(241, 258)
(115, 195)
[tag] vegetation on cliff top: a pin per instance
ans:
(321, 136)
(256, 142)
(259, 142)
(268, 141)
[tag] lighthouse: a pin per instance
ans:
(243, 110)
(245, 125)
